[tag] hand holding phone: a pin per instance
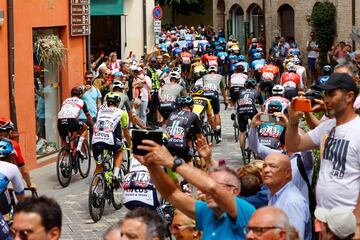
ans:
(137, 135)
(302, 105)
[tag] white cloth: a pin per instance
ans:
(312, 54)
(339, 176)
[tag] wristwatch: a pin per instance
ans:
(177, 162)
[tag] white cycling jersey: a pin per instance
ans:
(10, 173)
(71, 108)
(238, 80)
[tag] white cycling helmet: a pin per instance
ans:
(290, 67)
(254, 40)
(296, 61)
(213, 69)
(175, 75)
(118, 84)
(278, 90)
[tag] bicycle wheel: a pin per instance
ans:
(97, 197)
(236, 128)
(247, 151)
(117, 197)
(84, 162)
(63, 167)
(125, 166)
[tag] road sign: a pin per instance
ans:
(80, 17)
(157, 26)
(157, 13)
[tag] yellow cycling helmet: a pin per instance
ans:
(197, 91)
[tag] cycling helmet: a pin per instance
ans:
(293, 45)
(278, 90)
(177, 69)
(213, 69)
(326, 70)
(274, 106)
(203, 72)
(230, 50)
(182, 38)
(6, 124)
(185, 101)
(250, 82)
(6, 147)
(76, 91)
(257, 55)
(254, 40)
(241, 58)
(197, 91)
(290, 67)
(113, 98)
(296, 52)
(197, 59)
(296, 61)
(118, 84)
(271, 60)
(174, 74)
(220, 49)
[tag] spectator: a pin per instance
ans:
(37, 219)
(338, 139)
(142, 223)
(340, 52)
(103, 81)
(183, 227)
(105, 63)
(337, 223)
(114, 63)
(92, 98)
(113, 232)
(250, 185)
(268, 223)
(145, 94)
(313, 54)
(223, 216)
(155, 85)
(284, 194)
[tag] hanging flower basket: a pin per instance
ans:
(50, 49)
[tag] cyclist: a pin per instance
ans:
(233, 44)
(247, 109)
(8, 173)
(212, 60)
(237, 83)
(291, 81)
(68, 118)
(326, 72)
(300, 70)
(6, 131)
(196, 68)
(278, 92)
(222, 56)
(242, 61)
(182, 129)
(269, 76)
(4, 229)
(110, 123)
(256, 65)
(185, 60)
(213, 84)
(168, 94)
(253, 49)
(202, 105)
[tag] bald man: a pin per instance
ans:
(268, 223)
(283, 194)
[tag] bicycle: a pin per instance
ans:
(246, 152)
(10, 215)
(103, 188)
(206, 128)
(70, 161)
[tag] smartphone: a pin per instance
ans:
(303, 105)
(137, 135)
(268, 118)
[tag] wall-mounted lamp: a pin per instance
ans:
(2, 17)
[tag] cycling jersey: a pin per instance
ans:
(238, 79)
(201, 105)
(108, 120)
(222, 56)
(258, 64)
(211, 82)
(17, 155)
(180, 128)
(269, 72)
(252, 51)
(124, 102)
(322, 80)
(4, 229)
(71, 108)
(169, 92)
(212, 60)
(290, 80)
(248, 98)
(271, 135)
(186, 57)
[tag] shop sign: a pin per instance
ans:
(80, 17)
(157, 26)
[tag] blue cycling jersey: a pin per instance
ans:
(258, 64)
(4, 229)
(252, 51)
(322, 79)
(222, 55)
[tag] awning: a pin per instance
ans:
(106, 7)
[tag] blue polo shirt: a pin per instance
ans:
(90, 97)
(223, 227)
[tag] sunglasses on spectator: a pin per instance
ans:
(258, 231)
(107, 74)
(178, 227)
(88, 77)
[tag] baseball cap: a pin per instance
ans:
(118, 74)
(341, 220)
(340, 81)
(153, 60)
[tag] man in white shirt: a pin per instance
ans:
(338, 139)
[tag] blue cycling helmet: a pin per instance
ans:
(220, 49)
(6, 147)
(241, 58)
(185, 101)
(250, 82)
(257, 55)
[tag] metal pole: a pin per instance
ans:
(144, 29)
(11, 59)
(353, 21)
(88, 52)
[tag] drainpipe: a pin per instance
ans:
(353, 21)
(88, 52)
(11, 57)
(264, 29)
(145, 26)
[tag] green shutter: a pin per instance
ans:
(106, 7)
(229, 28)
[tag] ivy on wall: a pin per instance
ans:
(323, 21)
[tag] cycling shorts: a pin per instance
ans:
(266, 85)
(99, 147)
(235, 93)
(290, 93)
(185, 153)
(166, 108)
(66, 125)
(214, 100)
(243, 120)
(5, 202)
